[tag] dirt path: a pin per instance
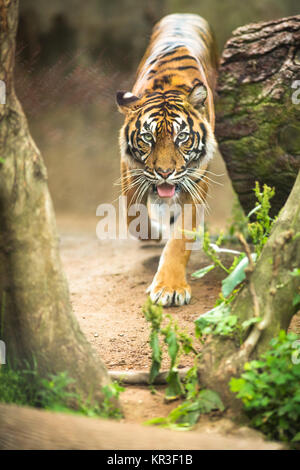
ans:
(107, 282)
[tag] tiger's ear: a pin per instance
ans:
(198, 95)
(126, 101)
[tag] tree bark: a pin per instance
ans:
(274, 288)
(258, 110)
(26, 428)
(36, 323)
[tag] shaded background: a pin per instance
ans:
(72, 56)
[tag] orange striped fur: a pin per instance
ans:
(168, 139)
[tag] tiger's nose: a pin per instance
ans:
(164, 173)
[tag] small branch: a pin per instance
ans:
(248, 272)
(140, 377)
(247, 250)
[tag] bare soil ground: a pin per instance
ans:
(108, 280)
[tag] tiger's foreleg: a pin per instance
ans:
(169, 286)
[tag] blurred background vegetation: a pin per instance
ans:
(72, 56)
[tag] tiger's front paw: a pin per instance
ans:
(169, 293)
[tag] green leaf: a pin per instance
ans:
(209, 400)
(295, 272)
(161, 421)
(174, 389)
(201, 272)
(296, 300)
(296, 438)
(236, 276)
(251, 321)
(173, 346)
(156, 356)
(236, 384)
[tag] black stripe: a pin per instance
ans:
(174, 59)
(188, 67)
(203, 129)
(173, 51)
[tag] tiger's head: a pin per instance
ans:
(167, 138)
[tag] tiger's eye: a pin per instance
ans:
(182, 137)
(147, 137)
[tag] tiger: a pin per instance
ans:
(167, 140)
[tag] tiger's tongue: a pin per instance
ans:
(166, 190)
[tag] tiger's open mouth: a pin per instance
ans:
(165, 190)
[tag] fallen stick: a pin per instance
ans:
(140, 377)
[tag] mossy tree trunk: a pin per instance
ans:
(272, 287)
(37, 322)
(258, 108)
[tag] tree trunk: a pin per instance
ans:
(36, 320)
(273, 288)
(258, 110)
(26, 428)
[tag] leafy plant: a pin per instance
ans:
(27, 387)
(107, 409)
(296, 299)
(186, 415)
(259, 230)
(154, 315)
(178, 342)
(219, 321)
(237, 274)
(270, 389)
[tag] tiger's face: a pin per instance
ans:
(166, 139)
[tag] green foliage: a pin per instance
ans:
(270, 389)
(186, 415)
(154, 314)
(174, 389)
(237, 274)
(219, 321)
(212, 252)
(178, 342)
(201, 272)
(26, 387)
(107, 409)
(259, 230)
(296, 299)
